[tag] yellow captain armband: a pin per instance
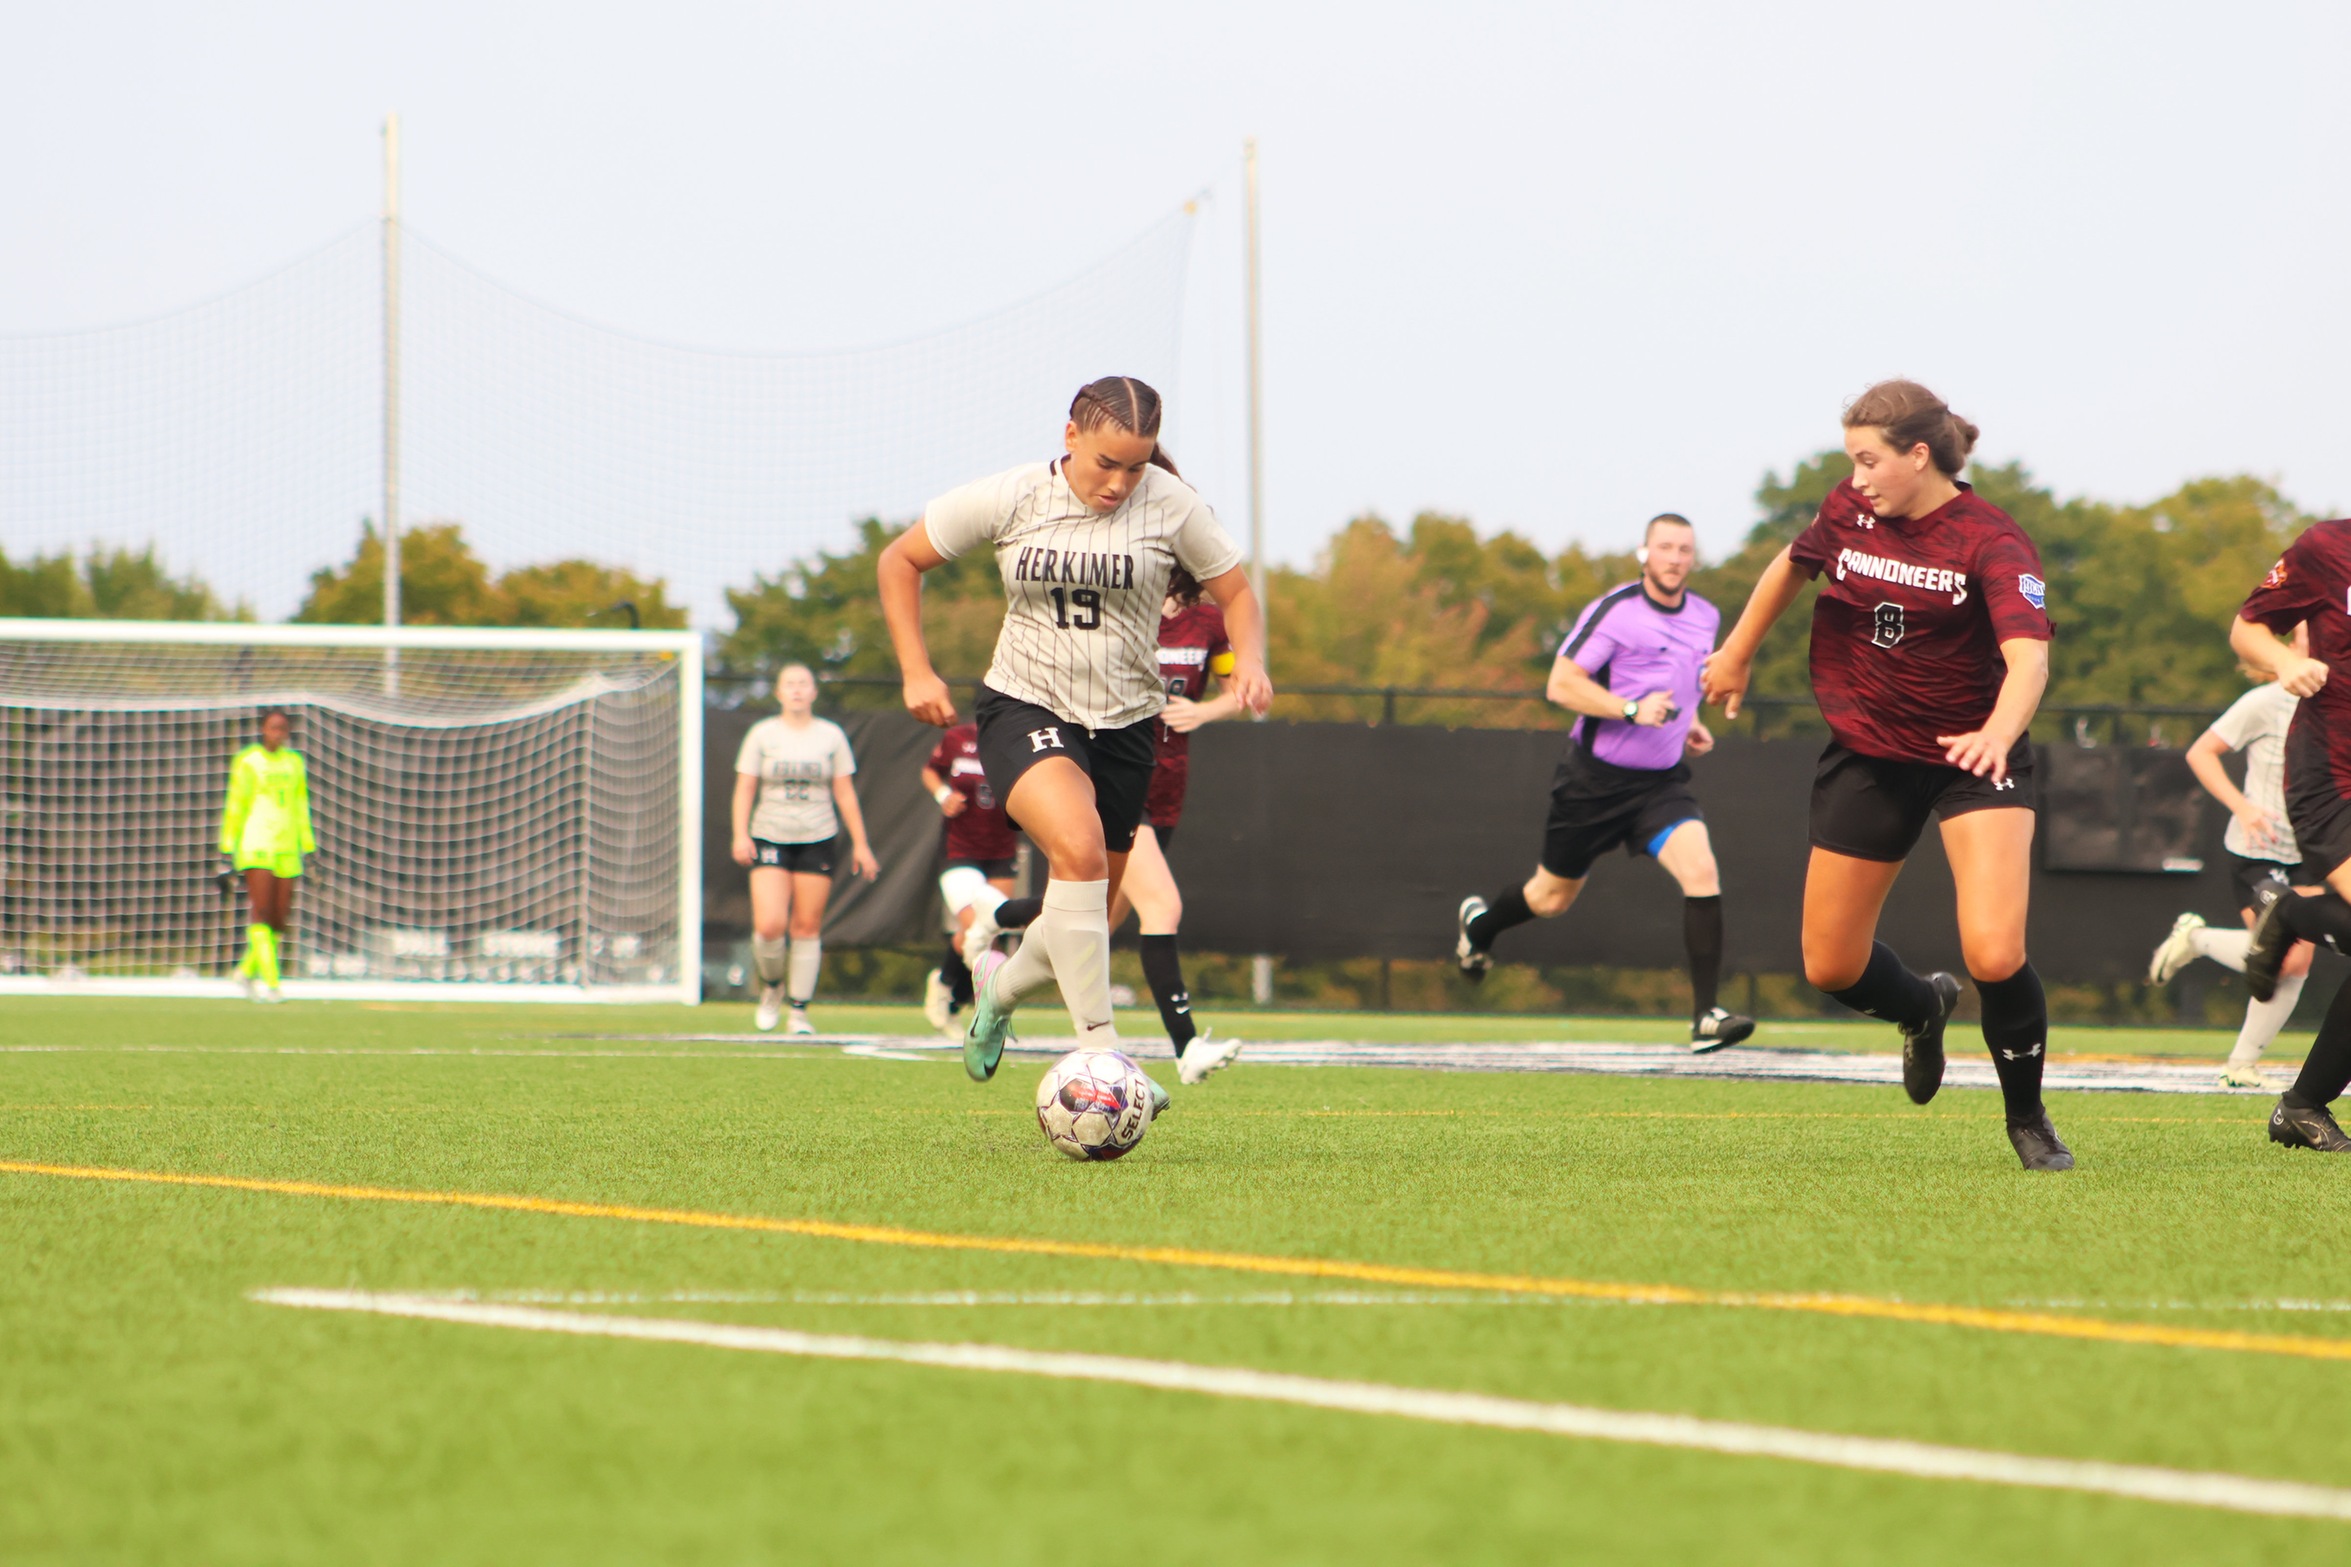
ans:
(1222, 664)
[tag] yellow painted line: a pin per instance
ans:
(1987, 1319)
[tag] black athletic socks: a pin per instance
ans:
(1018, 913)
(2327, 1069)
(957, 973)
(1503, 910)
(2016, 1027)
(1886, 989)
(1702, 935)
(1164, 970)
(2325, 918)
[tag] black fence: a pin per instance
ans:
(1760, 717)
(1321, 841)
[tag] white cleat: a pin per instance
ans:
(1203, 1056)
(1717, 1029)
(938, 1002)
(771, 1009)
(1472, 959)
(2178, 950)
(2235, 1076)
(979, 936)
(799, 1023)
(270, 997)
(252, 991)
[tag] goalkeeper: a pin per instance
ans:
(264, 832)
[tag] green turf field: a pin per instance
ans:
(150, 1411)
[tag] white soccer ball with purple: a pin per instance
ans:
(1094, 1104)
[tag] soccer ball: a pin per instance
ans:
(1094, 1104)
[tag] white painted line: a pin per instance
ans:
(2234, 1493)
(1749, 1063)
(1737, 1064)
(422, 1050)
(889, 1053)
(964, 1298)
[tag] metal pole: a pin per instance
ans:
(1261, 966)
(392, 393)
(1256, 386)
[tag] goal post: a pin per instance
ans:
(513, 815)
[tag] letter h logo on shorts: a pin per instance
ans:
(1045, 740)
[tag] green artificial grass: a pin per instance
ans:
(150, 1412)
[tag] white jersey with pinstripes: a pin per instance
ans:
(1082, 589)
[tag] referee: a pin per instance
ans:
(1630, 668)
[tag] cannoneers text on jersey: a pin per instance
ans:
(1080, 568)
(1934, 579)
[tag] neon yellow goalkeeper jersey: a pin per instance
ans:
(268, 815)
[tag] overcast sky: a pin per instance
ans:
(1553, 267)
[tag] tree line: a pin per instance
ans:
(2141, 596)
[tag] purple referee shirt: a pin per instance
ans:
(1633, 645)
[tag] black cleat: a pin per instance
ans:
(2037, 1144)
(2312, 1128)
(1473, 959)
(1922, 1050)
(1717, 1029)
(2266, 953)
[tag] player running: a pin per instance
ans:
(793, 795)
(2261, 851)
(1630, 667)
(1192, 648)
(982, 855)
(2308, 586)
(264, 832)
(1930, 650)
(1086, 545)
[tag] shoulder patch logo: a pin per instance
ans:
(2035, 591)
(2277, 575)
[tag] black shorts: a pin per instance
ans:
(1165, 835)
(1597, 805)
(995, 870)
(1015, 736)
(2246, 875)
(2320, 816)
(801, 859)
(1872, 808)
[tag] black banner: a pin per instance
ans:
(1324, 841)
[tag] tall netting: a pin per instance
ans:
(243, 436)
(510, 816)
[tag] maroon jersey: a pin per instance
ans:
(2311, 583)
(1907, 631)
(1190, 641)
(980, 831)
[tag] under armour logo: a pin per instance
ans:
(2003, 783)
(2021, 1055)
(1045, 740)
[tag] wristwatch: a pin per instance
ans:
(1632, 709)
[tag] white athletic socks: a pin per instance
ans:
(2264, 1019)
(807, 962)
(767, 960)
(1076, 929)
(2224, 947)
(1069, 945)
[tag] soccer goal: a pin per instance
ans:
(499, 814)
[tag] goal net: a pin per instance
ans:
(499, 814)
